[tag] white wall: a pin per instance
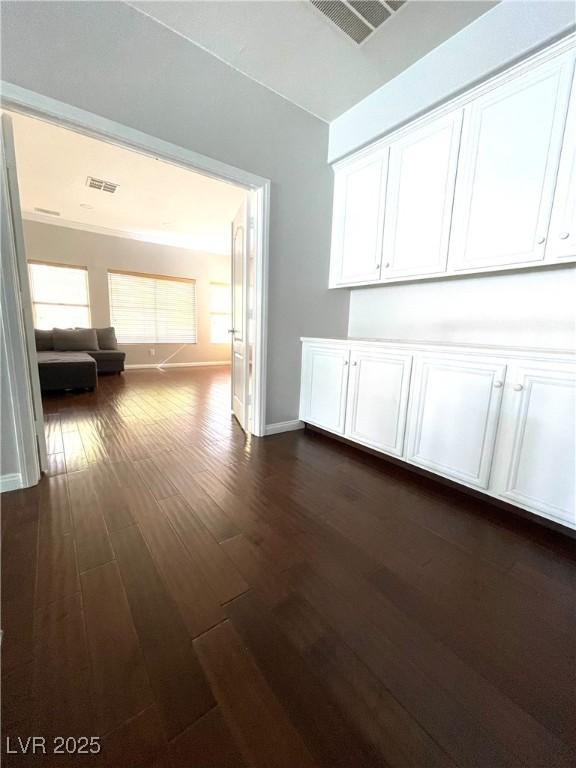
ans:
(111, 60)
(533, 308)
(100, 253)
(503, 35)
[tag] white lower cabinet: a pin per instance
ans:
(378, 399)
(536, 455)
(500, 422)
(454, 411)
(324, 386)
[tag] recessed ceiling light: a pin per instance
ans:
(87, 206)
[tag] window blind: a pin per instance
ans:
(152, 309)
(59, 296)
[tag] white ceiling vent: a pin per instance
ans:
(358, 18)
(103, 186)
(47, 211)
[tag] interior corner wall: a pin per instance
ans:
(100, 253)
(528, 308)
(111, 60)
(507, 33)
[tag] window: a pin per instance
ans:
(220, 313)
(152, 309)
(59, 296)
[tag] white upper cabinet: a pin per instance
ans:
(453, 418)
(378, 398)
(419, 197)
(359, 190)
(511, 142)
(488, 184)
(536, 456)
(324, 386)
(562, 234)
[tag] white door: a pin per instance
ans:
(378, 399)
(454, 407)
(15, 273)
(535, 462)
(562, 234)
(511, 141)
(239, 331)
(419, 197)
(359, 190)
(324, 386)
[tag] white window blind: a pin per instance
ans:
(151, 309)
(220, 313)
(59, 296)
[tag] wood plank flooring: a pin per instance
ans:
(199, 599)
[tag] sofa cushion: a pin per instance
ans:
(75, 339)
(65, 358)
(66, 370)
(107, 338)
(107, 354)
(44, 340)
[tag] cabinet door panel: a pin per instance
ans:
(378, 399)
(536, 458)
(324, 386)
(453, 417)
(562, 233)
(357, 220)
(419, 197)
(509, 156)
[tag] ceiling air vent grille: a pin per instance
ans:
(100, 184)
(358, 18)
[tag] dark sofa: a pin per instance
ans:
(72, 358)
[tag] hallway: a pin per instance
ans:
(197, 598)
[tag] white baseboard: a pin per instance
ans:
(284, 426)
(176, 365)
(10, 482)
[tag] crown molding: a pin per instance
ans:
(97, 229)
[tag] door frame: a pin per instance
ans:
(24, 101)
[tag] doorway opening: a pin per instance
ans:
(123, 237)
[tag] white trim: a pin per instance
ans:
(17, 336)
(10, 482)
(284, 426)
(456, 347)
(19, 99)
(97, 229)
(137, 366)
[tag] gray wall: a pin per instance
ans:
(534, 308)
(99, 253)
(108, 59)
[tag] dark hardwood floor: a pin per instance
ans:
(199, 600)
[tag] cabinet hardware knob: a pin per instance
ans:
(387, 264)
(355, 362)
(497, 384)
(541, 240)
(564, 235)
(377, 267)
(517, 387)
(345, 362)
